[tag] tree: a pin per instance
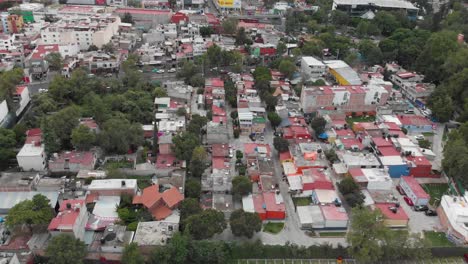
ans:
(262, 73)
(192, 188)
(350, 190)
(55, 61)
(206, 31)
(119, 135)
(108, 48)
(82, 138)
(275, 119)
(280, 144)
(93, 47)
(8, 82)
(318, 125)
(206, 251)
(198, 161)
(386, 22)
(181, 111)
(127, 18)
(270, 101)
(159, 92)
(331, 155)
(132, 255)
(424, 143)
(281, 48)
(65, 249)
(287, 68)
(371, 53)
(37, 211)
(189, 207)
(184, 144)
(205, 224)
(229, 26)
(197, 80)
(366, 232)
(340, 18)
(241, 37)
(245, 223)
(241, 186)
(187, 71)
(239, 154)
(7, 143)
(196, 124)
(57, 128)
(176, 251)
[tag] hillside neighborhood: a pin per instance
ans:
(154, 131)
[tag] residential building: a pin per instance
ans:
(217, 133)
(394, 216)
(71, 219)
(159, 200)
(72, 161)
(36, 61)
(21, 98)
(156, 233)
(395, 165)
(32, 155)
(453, 215)
(359, 160)
(414, 191)
(357, 99)
(360, 8)
(112, 187)
(415, 123)
(6, 41)
(312, 68)
(85, 31)
(3, 112)
(146, 18)
(371, 179)
(268, 205)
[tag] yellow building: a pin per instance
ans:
(343, 73)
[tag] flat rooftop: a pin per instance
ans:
(156, 233)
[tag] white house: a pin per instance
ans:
(32, 157)
(311, 68)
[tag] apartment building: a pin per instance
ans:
(86, 31)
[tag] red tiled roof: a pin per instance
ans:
(350, 142)
(344, 133)
(389, 151)
(150, 199)
(20, 89)
(331, 212)
(219, 163)
(354, 172)
(272, 204)
(219, 119)
(161, 212)
(76, 157)
(414, 120)
(42, 50)
(250, 148)
(387, 213)
(142, 11)
(259, 203)
(218, 111)
(34, 134)
(90, 198)
(380, 142)
(286, 155)
(166, 161)
(172, 197)
(420, 161)
(66, 218)
(219, 150)
(415, 187)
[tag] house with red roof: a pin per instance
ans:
(90, 123)
(72, 161)
(349, 144)
(415, 123)
(393, 216)
(414, 191)
(160, 202)
(419, 166)
(296, 132)
(316, 178)
(268, 205)
(71, 219)
(168, 162)
(179, 17)
(254, 150)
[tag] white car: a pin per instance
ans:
(161, 71)
(419, 137)
(43, 90)
(172, 70)
(426, 113)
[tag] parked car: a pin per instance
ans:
(420, 208)
(161, 71)
(408, 201)
(155, 70)
(419, 137)
(172, 70)
(431, 212)
(400, 190)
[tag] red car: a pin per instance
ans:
(408, 201)
(400, 190)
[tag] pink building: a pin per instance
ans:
(71, 219)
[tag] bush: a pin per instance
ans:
(88, 180)
(200, 90)
(236, 133)
(132, 226)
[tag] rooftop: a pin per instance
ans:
(156, 232)
(379, 3)
(415, 187)
(331, 212)
(400, 214)
(111, 184)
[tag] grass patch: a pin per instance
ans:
(437, 239)
(273, 228)
(332, 234)
(352, 120)
(428, 134)
(118, 164)
(301, 201)
(435, 190)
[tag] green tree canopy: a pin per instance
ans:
(287, 68)
(82, 138)
(241, 185)
(280, 144)
(245, 223)
(65, 249)
(275, 119)
(57, 128)
(198, 161)
(55, 61)
(192, 188)
(184, 144)
(119, 135)
(229, 26)
(132, 255)
(318, 125)
(189, 207)
(205, 224)
(37, 211)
